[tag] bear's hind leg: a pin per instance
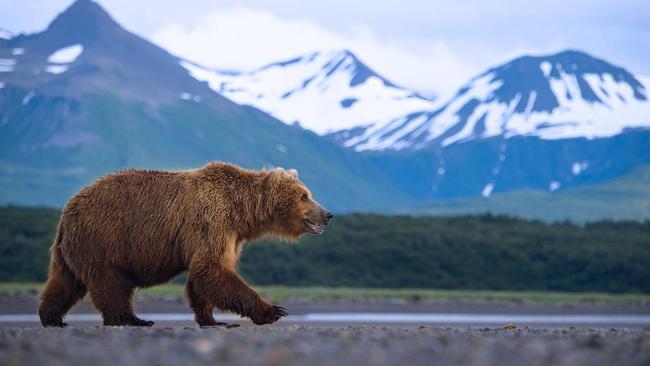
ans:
(112, 295)
(61, 292)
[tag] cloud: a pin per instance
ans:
(243, 38)
(430, 45)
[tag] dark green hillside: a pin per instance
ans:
(180, 135)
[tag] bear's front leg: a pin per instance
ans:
(201, 307)
(225, 289)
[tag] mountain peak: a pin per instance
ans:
(568, 61)
(344, 52)
(525, 75)
(84, 43)
(344, 57)
(572, 53)
(85, 19)
(324, 91)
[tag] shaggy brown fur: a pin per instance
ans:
(140, 228)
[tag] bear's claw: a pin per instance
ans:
(280, 310)
(273, 315)
(137, 322)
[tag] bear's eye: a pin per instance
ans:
(304, 197)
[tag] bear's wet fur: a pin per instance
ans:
(140, 228)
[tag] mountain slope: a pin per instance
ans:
(85, 97)
(483, 167)
(567, 95)
(323, 91)
(624, 198)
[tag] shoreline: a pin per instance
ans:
(20, 310)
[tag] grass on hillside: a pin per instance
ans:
(282, 293)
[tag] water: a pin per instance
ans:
(384, 318)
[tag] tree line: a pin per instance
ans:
(364, 250)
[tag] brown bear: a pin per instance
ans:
(139, 228)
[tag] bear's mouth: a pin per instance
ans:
(313, 227)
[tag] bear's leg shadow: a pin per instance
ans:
(112, 295)
(221, 286)
(61, 292)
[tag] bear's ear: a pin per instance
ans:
(293, 173)
(276, 174)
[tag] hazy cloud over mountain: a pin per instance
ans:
(426, 45)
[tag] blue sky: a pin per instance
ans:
(428, 45)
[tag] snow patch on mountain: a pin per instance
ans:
(554, 186)
(66, 55)
(7, 64)
(281, 148)
(323, 91)
(59, 61)
(56, 69)
(28, 97)
(188, 96)
(5, 34)
(579, 167)
(389, 135)
(487, 190)
(546, 68)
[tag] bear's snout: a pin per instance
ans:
(316, 219)
(328, 216)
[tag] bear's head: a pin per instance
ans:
(290, 207)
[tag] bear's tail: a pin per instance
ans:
(62, 290)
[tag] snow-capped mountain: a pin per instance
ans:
(323, 91)
(567, 95)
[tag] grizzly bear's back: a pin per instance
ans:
(133, 221)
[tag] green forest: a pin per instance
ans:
(463, 252)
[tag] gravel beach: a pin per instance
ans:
(334, 343)
(310, 345)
